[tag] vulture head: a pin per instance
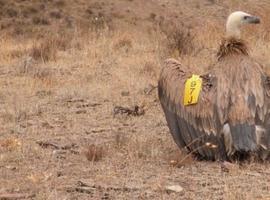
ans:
(236, 20)
(233, 44)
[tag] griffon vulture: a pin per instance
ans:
(231, 115)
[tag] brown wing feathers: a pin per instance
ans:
(194, 125)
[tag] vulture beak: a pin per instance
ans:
(252, 19)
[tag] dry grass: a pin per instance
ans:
(94, 153)
(180, 41)
(47, 49)
(64, 88)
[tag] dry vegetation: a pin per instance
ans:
(79, 115)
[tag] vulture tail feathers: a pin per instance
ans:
(244, 137)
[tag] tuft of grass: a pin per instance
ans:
(45, 51)
(123, 42)
(56, 14)
(10, 144)
(40, 21)
(94, 153)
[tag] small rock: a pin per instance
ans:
(81, 111)
(174, 188)
(125, 93)
(11, 167)
(58, 174)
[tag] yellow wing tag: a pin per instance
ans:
(193, 87)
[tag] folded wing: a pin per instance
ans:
(195, 127)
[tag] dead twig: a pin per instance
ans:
(89, 105)
(86, 104)
(96, 130)
(85, 190)
(47, 144)
(149, 89)
(89, 188)
(134, 111)
(75, 100)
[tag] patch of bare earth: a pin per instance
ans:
(79, 114)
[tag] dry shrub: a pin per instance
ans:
(7, 117)
(56, 14)
(98, 21)
(12, 49)
(181, 41)
(17, 31)
(40, 21)
(94, 153)
(60, 3)
(2, 3)
(10, 144)
(17, 53)
(11, 12)
(89, 11)
(62, 42)
(29, 11)
(124, 42)
(152, 16)
(47, 49)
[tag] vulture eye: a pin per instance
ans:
(246, 17)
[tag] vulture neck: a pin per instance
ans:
(231, 46)
(233, 27)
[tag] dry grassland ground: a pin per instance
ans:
(79, 114)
